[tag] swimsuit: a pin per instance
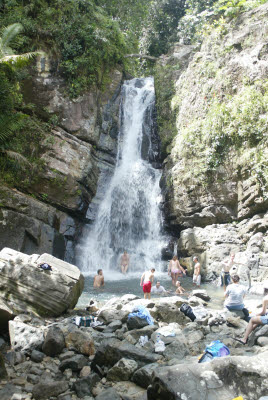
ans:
(197, 279)
(225, 278)
(175, 271)
(147, 287)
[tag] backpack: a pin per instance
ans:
(188, 311)
(45, 267)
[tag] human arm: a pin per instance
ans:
(142, 277)
(102, 281)
(169, 267)
(181, 268)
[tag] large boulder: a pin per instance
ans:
(45, 390)
(54, 341)
(81, 341)
(25, 287)
(222, 378)
(25, 338)
(112, 350)
(122, 370)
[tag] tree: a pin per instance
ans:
(6, 53)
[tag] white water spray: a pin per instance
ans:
(128, 217)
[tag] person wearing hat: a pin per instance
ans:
(260, 319)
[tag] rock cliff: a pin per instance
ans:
(47, 214)
(212, 114)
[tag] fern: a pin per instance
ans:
(9, 124)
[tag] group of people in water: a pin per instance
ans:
(234, 292)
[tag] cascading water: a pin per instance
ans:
(129, 217)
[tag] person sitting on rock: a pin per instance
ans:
(98, 279)
(180, 289)
(147, 279)
(260, 319)
(234, 296)
(158, 289)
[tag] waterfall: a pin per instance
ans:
(129, 218)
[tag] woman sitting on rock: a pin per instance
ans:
(260, 319)
(234, 295)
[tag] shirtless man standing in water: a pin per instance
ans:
(147, 279)
(124, 262)
(98, 279)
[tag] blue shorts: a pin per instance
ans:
(264, 319)
(225, 278)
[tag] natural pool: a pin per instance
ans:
(117, 285)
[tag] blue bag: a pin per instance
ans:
(142, 312)
(217, 349)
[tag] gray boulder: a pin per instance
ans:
(75, 363)
(37, 356)
(143, 376)
(84, 386)
(45, 390)
(108, 394)
(222, 378)
(112, 350)
(54, 342)
(136, 323)
(122, 370)
(25, 287)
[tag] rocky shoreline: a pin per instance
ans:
(53, 358)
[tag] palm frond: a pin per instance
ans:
(9, 124)
(9, 34)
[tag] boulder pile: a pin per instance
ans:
(55, 359)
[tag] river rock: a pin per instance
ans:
(202, 294)
(143, 376)
(136, 322)
(3, 372)
(49, 389)
(75, 363)
(122, 370)
(112, 350)
(26, 287)
(81, 341)
(166, 312)
(83, 387)
(113, 326)
(212, 380)
(108, 394)
(54, 341)
(37, 356)
(25, 338)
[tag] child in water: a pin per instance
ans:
(180, 289)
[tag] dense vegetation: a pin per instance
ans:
(87, 39)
